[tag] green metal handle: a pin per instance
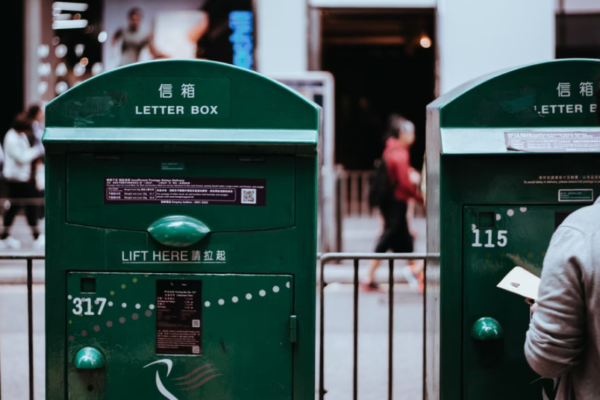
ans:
(178, 231)
(89, 358)
(486, 329)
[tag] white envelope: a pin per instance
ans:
(521, 282)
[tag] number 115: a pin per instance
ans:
(501, 241)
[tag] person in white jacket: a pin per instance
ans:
(18, 157)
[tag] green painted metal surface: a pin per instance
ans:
(229, 316)
(246, 350)
(178, 231)
(495, 240)
(496, 211)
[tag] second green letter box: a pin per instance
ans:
(181, 236)
(509, 157)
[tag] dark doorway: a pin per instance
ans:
(577, 35)
(11, 101)
(383, 61)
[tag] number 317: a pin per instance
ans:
(79, 304)
(502, 240)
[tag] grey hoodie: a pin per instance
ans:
(563, 340)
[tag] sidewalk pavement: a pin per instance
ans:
(360, 235)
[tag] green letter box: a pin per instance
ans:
(181, 236)
(509, 156)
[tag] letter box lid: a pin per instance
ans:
(547, 107)
(181, 101)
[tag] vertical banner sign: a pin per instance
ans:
(241, 22)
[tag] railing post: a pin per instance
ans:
(355, 335)
(29, 258)
(339, 212)
(354, 194)
(364, 198)
(322, 332)
(30, 322)
(391, 330)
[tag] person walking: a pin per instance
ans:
(18, 158)
(397, 207)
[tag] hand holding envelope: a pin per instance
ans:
(521, 282)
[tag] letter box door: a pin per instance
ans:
(497, 239)
(179, 336)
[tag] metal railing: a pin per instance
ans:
(353, 193)
(356, 257)
(29, 258)
(323, 259)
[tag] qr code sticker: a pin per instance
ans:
(248, 196)
(196, 349)
(195, 323)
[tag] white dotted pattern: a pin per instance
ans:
(510, 213)
(110, 303)
(523, 209)
(69, 297)
(498, 217)
(235, 299)
(137, 306)
(124, 305)
(151, 306)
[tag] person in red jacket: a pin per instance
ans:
(397, 211)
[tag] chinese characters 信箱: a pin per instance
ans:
(188, 90)
(586, 89)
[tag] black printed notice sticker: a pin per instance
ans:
(186, 191)
(179, 317)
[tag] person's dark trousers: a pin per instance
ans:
(20, 191)
(396, 235)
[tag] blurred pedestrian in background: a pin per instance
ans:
(134, 38)
(35, 115)
(394, 192)
(18, 158)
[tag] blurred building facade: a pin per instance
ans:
(385, 55)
